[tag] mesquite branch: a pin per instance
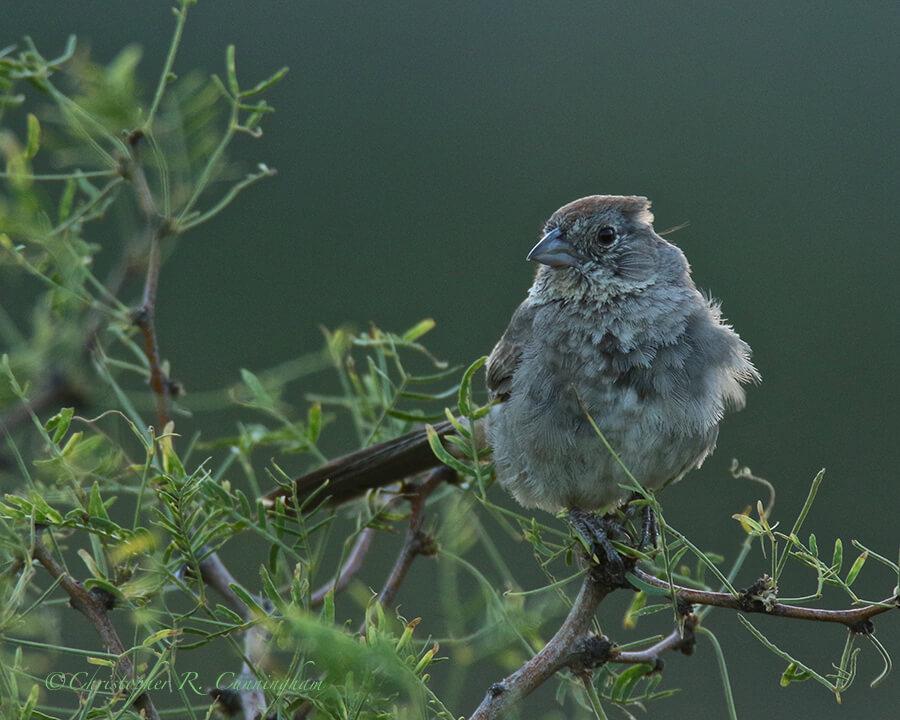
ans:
(555, 655)
(144, 317)
(858, 620)
(95, 608)
(417, 542)
(575, 648)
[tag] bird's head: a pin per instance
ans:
(603, 246)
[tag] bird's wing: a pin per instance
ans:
(507, 353)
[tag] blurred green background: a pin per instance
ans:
(419, 148)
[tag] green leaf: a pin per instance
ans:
(65, 201)
(314, 422)
(751, 526)
(837, 558)
(632, 613)
(213, 488)
(102, 584)
(34, 137)
(161, 635)
(267, 83)
(418, 330)
(646, 587)
(269, 588)
(856, 567)
(43, 512)
(88, 560)
(248, 599)
(625, 683)
(262, 396)
(96, 507)
(231, 71)
(327, 614)
(59, 423)
(28, 709)
(794, 673)
(445, 457)
(465, 390)
(228, 615)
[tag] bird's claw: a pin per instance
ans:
(608, 564)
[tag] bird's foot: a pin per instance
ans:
(646, 541)
(609, 567)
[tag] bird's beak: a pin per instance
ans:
(554, 250)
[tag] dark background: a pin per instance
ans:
(419, 148)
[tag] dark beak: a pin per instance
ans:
(554, 250)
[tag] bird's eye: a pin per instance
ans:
(607, 236)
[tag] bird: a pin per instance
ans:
(613, 329)
(614, 365)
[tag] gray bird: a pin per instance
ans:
(613, 328)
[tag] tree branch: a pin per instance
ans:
(681, 638)
(566, 647)
(94, 608)
(574, 647)
(417, 542)
(250, 700)
(858, 620)
(145, 316)
(348, 569)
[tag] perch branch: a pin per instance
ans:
(564, 647)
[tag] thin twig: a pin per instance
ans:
(681, 638)
(145, 317)
(58, 391)
(417, 541)
(215, 575)
(95, 610)
(858, 620)
(348, 569)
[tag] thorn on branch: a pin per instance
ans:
(688, 641)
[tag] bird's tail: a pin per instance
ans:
(350, 476)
